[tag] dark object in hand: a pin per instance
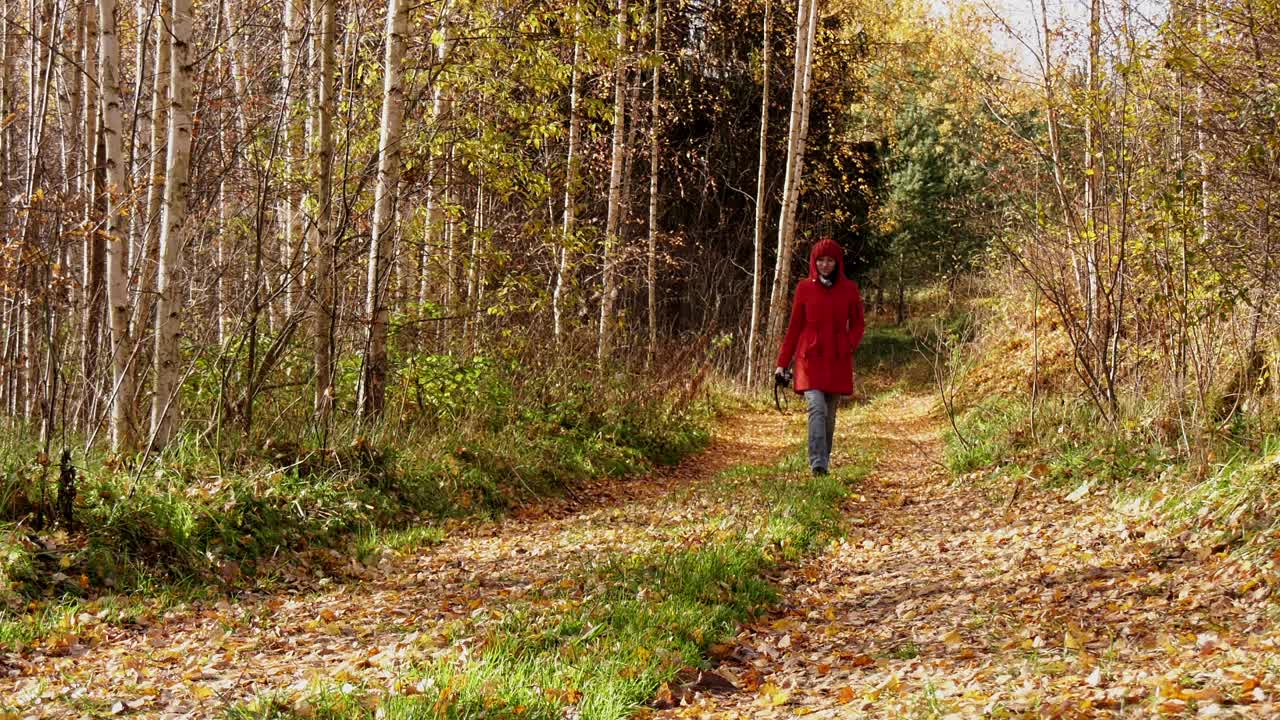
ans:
(781, 381)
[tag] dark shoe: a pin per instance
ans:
(819, 471)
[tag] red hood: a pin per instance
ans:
(830, 248)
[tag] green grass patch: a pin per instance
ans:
(1236, 505)
(373, 542)
(989, 433)
(887, 347)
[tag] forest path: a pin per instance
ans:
(943, 602)
(364, 625)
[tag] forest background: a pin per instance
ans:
(364, 261)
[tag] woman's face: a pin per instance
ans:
(826, 264)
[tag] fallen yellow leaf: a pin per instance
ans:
(773, 696)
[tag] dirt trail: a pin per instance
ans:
(943, 603)
(364, 625)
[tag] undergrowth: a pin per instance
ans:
(1219, 484)
(468, 438)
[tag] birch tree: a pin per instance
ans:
(608, 283)
(806, 27)
(155, 181)
(652, 269)
(374, 373)
(123, 430)
(292, 70)
(174, 231)
(322, 226)
(438, 188)
(757, 266)
(93, 255)
(570, 183)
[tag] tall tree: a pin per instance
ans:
(123, 429)
(806, 27)
(652, 269)
(571, 172)
(438, 187)
(608, 282)
(322, 251)
(373, 379)
(293, 80)
(762, 181)
(156, 177)
(174, 231)
(93, 256)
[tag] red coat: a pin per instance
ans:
(825, 329)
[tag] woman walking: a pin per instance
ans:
(825, 329)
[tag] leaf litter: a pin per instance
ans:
(940, 603)
(937, 603)
(361, 625)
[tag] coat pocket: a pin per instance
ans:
(809, 345)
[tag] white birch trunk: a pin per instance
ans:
(140, 129)
(123, 431)
(437, 189)
(1090, 289)
(236, 210)
(608, 284)
(165, 410)
(475, 277)
(155, 184)
(567, 241)
(293, 80)
(321, 234)
(93, 256)
(7, 52)
(652, 269)
(762, 179)
(806, 23)
(373, 383)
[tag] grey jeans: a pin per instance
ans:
(822, 426)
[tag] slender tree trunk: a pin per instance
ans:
(806, 24)
(453, 255)
(1202, 136)
(567, 241)
(438, 190)
(1094, 334)
(156, 178)
(95, 246)
(475, 274)
(608, 285)
(239, 86)
(652, 269)
(322, 229)
(123, 430)
(373, 382)
(762, 179)
(165, 410)
(147, 14)
(8, 39)
(293, 74)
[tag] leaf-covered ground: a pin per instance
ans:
(941, 601)
(362, 623)
(944, 602)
